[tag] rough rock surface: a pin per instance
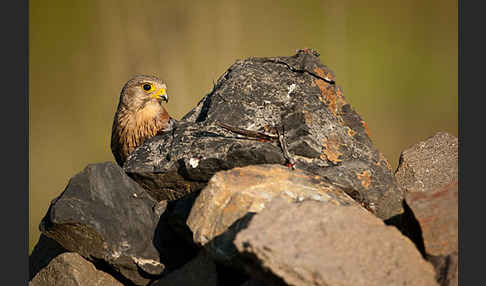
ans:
(446, 268)
(314, 243)
(226, 204)
(71, 269)
(437, 215)
(199, 271)
(428, 171)
(104, 215)
(295, 97)
(44, 251)
(429, 165)
(451, 278)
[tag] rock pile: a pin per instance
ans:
(271, 179)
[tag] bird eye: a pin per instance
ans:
(147, 86)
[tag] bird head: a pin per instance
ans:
(142, 90)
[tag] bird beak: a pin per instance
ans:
(161, 94)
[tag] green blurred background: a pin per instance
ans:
(396, 61)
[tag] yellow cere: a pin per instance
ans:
(159, 93)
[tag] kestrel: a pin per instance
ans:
(139, 116)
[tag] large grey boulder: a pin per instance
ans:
(231, 197)
(238, 124)
(317, 243)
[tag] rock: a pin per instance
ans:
(429, 165)
(199, 271)
(253, 282)
(296, 96)
(446, 268)
(71, 269)
(44, 251)
(231, 197)
(451, 277)
(315, 243)
(437, 215)
(428, 171)
(175, 251)
(104, 215)
(176, 216)
(230, 275)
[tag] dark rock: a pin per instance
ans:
(316, 243)
(230, 275)
(176, 216)
(437, 216)
(295, 95)
(44, 251)
(429, 165)
(199, 271)
(174, 247)
(106, 216)
(231, 197)
(70, 269)
(253, 282)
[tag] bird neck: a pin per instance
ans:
(137, 126)
(150, 114)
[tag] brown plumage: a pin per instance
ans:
(140, 115)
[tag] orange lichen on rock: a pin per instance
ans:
(350, 131)
(332, 97)
(326, 75)
(327, 96)
(365, 126)
(331, 150)
(307, 117)
(365, 178)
